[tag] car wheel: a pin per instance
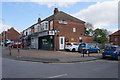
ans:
(103, 57)
(73, 50)
(87, 52)
(118, 58)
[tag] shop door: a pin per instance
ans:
(61, 43)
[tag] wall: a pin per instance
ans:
(34, 43)
(12, 34)
(115, 40)
(66, 30)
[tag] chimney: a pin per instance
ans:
(55, 10)
(39, 20)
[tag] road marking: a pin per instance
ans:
(58, 76)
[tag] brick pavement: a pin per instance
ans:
(46, 54)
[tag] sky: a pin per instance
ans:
(21, 14)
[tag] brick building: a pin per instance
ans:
(10, 34)
(52, 32)
(115, 38)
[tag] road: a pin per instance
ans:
(90, 69)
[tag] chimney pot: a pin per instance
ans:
(39, 20)
(55, 10)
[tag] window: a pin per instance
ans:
(51, 25)
(61, 40)
(46, 26)
(82, 45)
(68, 44)
(75, 44)
(74, 29)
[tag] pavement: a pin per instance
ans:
(48, 56)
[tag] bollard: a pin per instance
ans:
(18, 52)
(83, 53)
(88, 54)
(9, 51)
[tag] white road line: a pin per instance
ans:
(58, 76)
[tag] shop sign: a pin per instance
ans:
(43, 34)
(62, 22)
(51, 33)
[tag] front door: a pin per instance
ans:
(61, 43)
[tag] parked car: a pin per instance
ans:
(72, 46)
(17, 45)
(88, 48)
(111, 52)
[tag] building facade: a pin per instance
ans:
(53, 32)
(115, 38)
(10, 34)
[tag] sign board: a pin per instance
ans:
(51, 33)
(43, 33)
(62, 22)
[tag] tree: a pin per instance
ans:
(100, 35)
(89, 29)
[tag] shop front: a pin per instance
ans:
(46, 40)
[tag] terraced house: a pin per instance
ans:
(115, 38)
(54, 31)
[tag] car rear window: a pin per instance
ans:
(110, 48)
(118, 48)
(82, 45)
(68, 44)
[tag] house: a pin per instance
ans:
(115, 38)
(52, 32)
(10, 34)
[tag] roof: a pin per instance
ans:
(116, 33)
(60, 15)
(63, 16)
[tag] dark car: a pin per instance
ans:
(88, 48)
(111, 52)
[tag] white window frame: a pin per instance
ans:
(74, 29)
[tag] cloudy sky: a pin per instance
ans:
(21, 14)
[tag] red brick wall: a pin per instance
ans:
(114, 39)
(67, 30)
(12, 34)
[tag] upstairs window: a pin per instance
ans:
(74, 29)
(46, 26)
(51, 25)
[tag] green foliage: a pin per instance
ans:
(100, 35)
